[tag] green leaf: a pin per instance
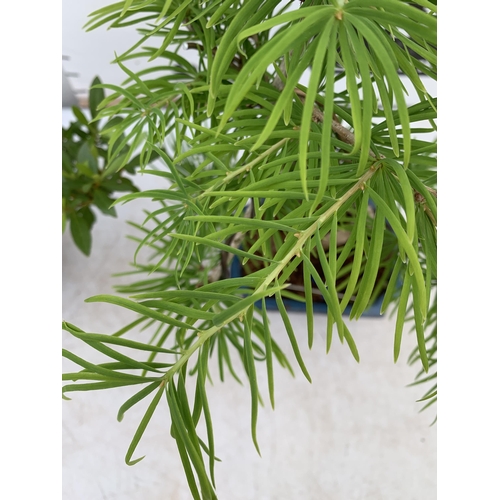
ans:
(228, 44)
(269, 353)
(88, 215)
(85, 155)
(351, 343)
(114, 165)
(221, 246)
(98, 386)
(145, 311)
(243, 304)
(279, 45)
(142, 427)
(409, 204)
(248, 223)
(316, 73)
(358, 252)
(391, 286)
(385, 56)
(110, 374)
(182, 425)
(362, 59)
(135, 399)
(80, 116)
(291, 335)
(372, 267)
(403, 302)
(198, 294)
(309, 298)
(103, 202)
(330, 295)
(134, 77)
(200, 387)
(326, 133)
(96, 96)
(84, 169)
(80, 231)
(286, 96)
(350, 65)
(114, 339)
(181, 310)
(252, 375)
(188, 470)
(419, 319)
(405, 243)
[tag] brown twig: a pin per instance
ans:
(420, 199)
(344, 134)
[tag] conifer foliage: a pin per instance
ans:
(285, 141)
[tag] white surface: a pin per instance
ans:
(354, 434)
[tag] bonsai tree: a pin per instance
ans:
(291, 168)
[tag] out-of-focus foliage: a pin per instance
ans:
(89, 179)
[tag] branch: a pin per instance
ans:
(342, 132)
(420, 198)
